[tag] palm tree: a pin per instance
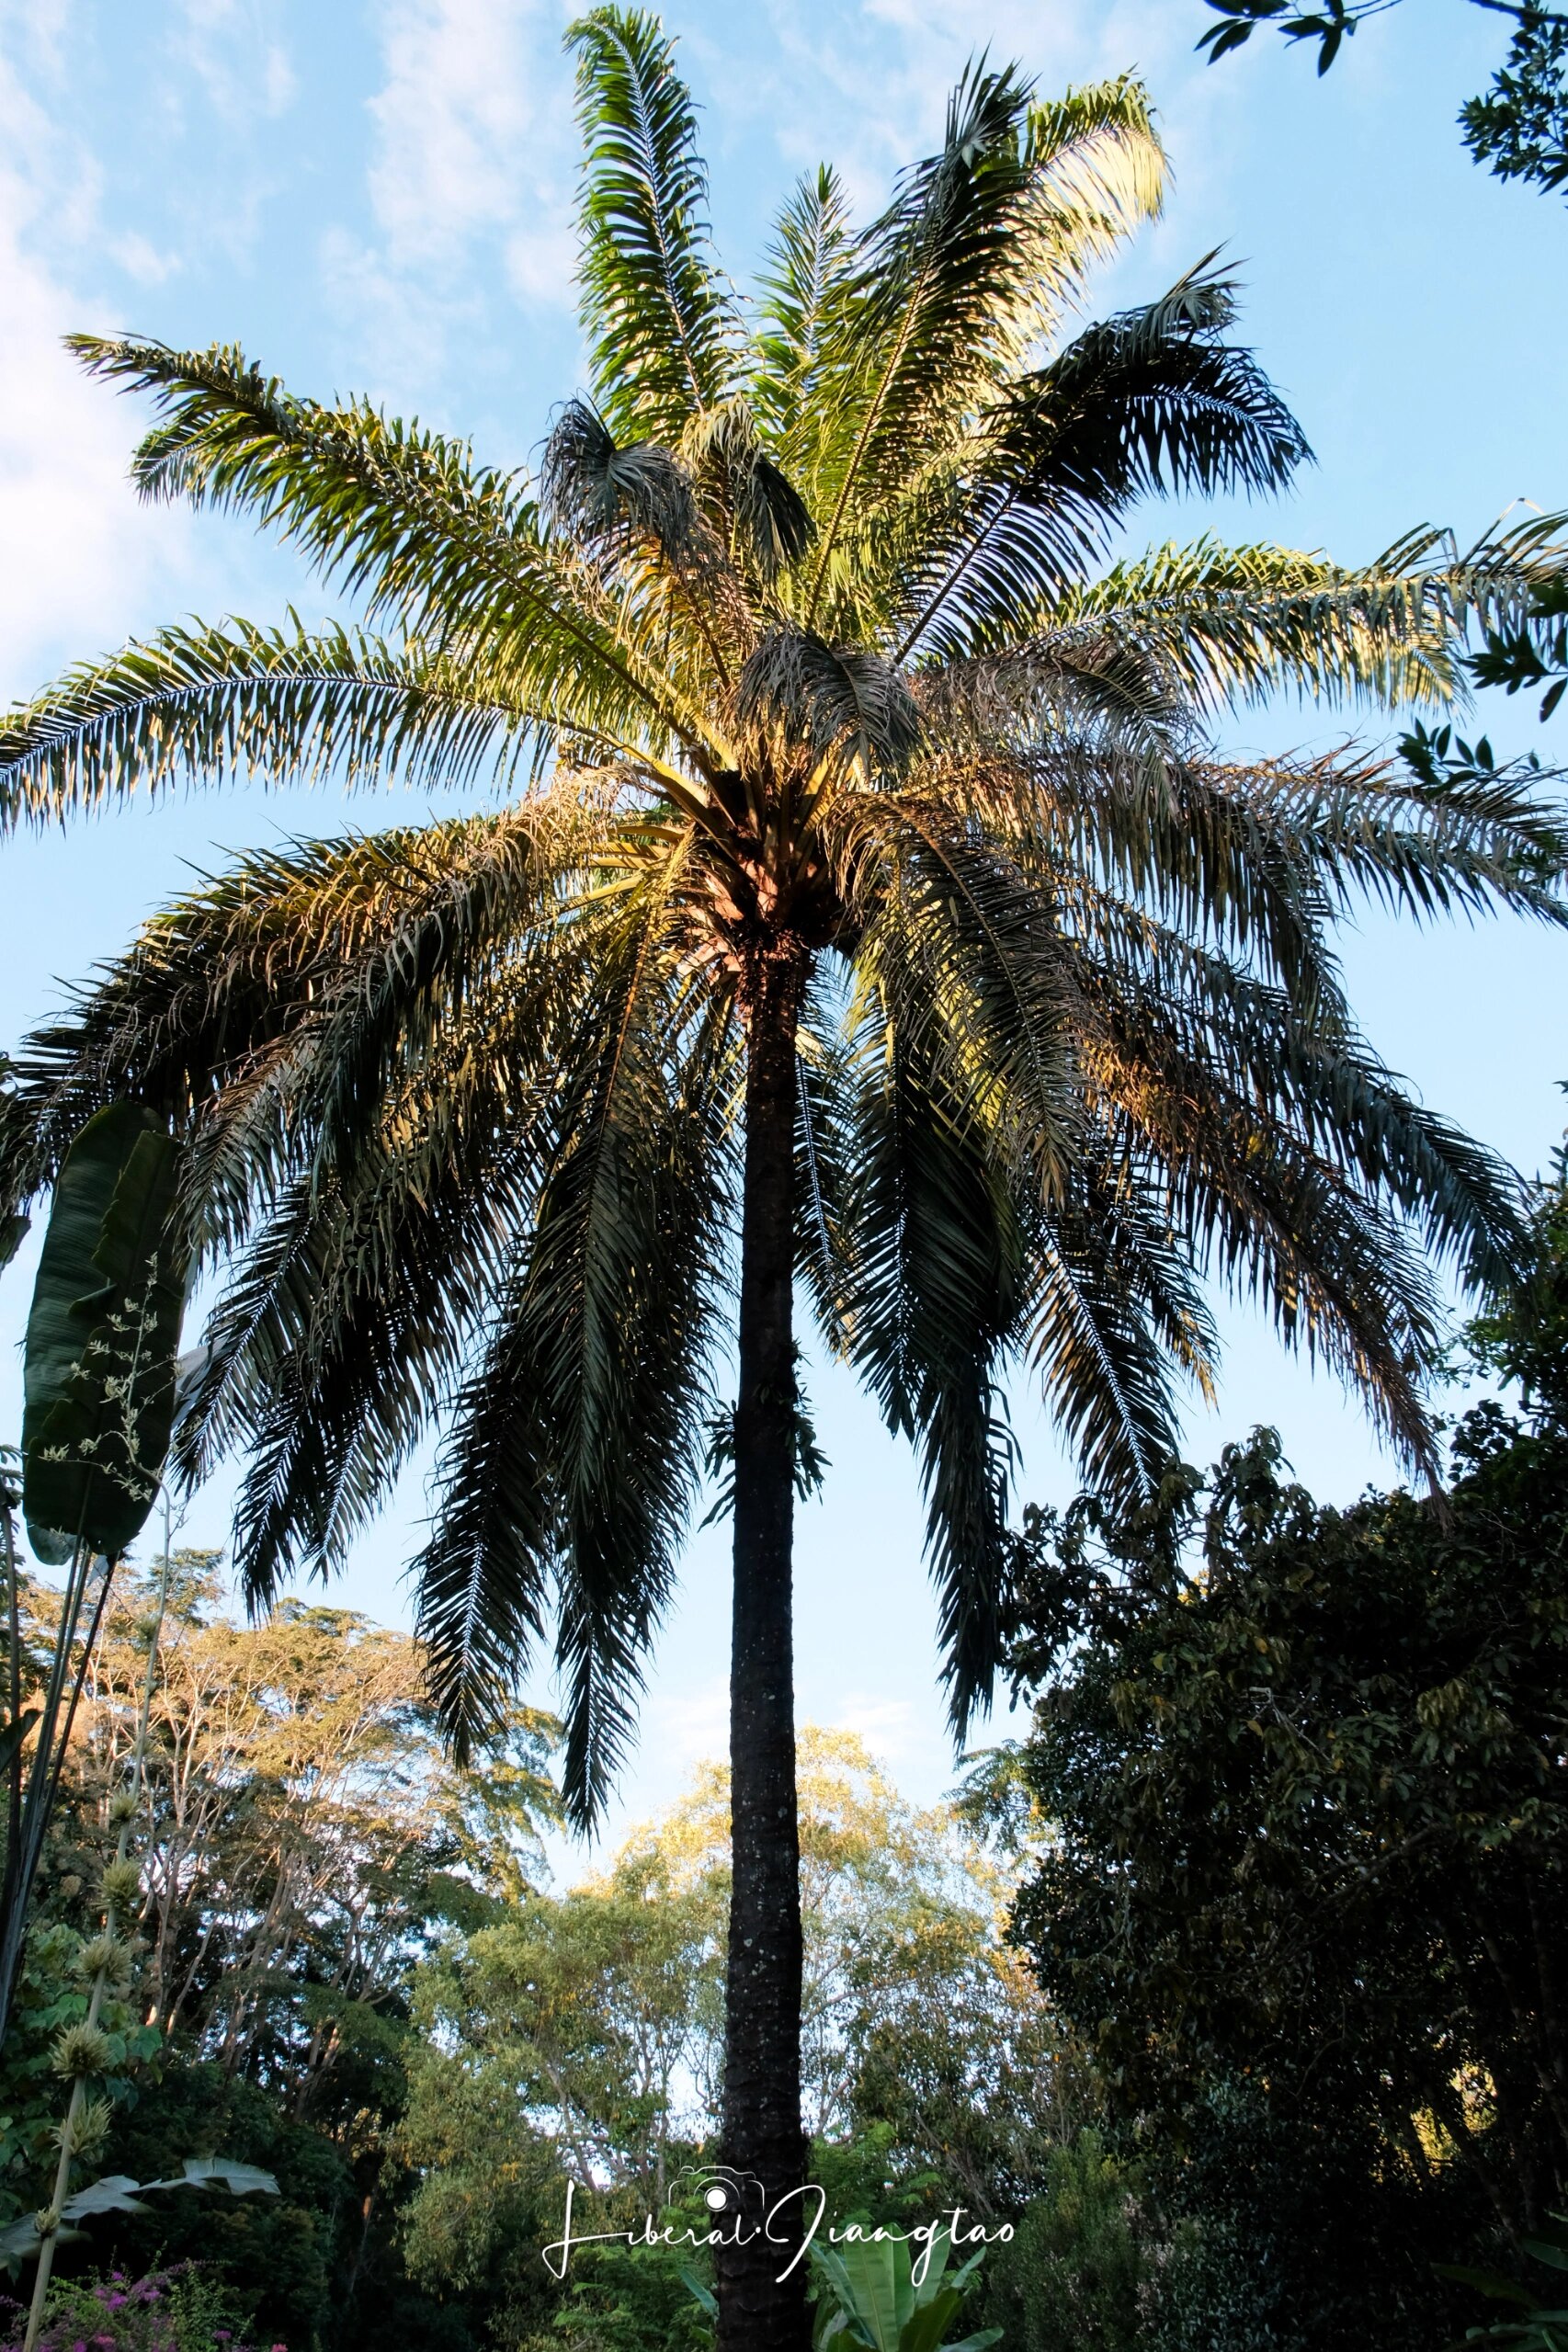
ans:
(850, 874)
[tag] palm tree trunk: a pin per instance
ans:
(762, 2137)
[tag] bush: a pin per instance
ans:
(1074, 2278)
(183, 2310)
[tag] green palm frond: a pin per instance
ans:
(486, 1577)
(931, 271)
(340, 1340)
(1097, 173)
(276, 1007)
(608, 1327)
(401, 518)
(1153, 402)
(979, 253)
(663, 331)
(1233, 625)
(1109, 1367)
(277, 706)
(808, 287)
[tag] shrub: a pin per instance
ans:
(182, 2310)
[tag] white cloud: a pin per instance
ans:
(469, 186)
(80, 555)
(237, 53)
(468, 125)
(141, 260)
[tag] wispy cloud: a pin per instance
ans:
(240, 56)
(80, 554)
(469, 186)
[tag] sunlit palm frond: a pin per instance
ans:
(935, 272)
(663, 331)
(401, 518)
(982, 249)
(285, 706)
(1097, 174)
(809, 284)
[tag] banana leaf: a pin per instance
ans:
(871, 2298)
(117, 2193)
(98, 1379)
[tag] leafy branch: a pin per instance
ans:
(1519, 127)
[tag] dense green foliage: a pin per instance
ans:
(1294, 1923)
(348, 1975)
(1307, 1884)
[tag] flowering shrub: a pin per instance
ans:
(173, 2311)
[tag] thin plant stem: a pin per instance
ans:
(14, 1625)
(48, 2237)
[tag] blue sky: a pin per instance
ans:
(377, 198)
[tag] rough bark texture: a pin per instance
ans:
(762, 2138)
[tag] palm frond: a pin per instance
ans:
(766, 520)
(662, 328)
(1153, 402)
(848, 706)
(808, 284)
(933, 272)
(404, 519)
(216, 705)
(607, 1327)
(980, 247)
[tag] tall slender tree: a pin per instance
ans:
(854, 903)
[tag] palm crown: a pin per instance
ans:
(810, 707)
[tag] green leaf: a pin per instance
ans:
(14, 1734)
(883, 2302)
(700, 2290)
(661, 326)
(13, 1231)
(1486, 2282)
(102, 1337)
(241, 2180)
(116, 2193)
(924, 2330)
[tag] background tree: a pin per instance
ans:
(868, 890)
(1519, 126)
(303, 1842)
(1308, 1870)
(583, 2034)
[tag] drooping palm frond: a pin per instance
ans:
(605, 1335)
(1153, 402)
(277, 1005)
